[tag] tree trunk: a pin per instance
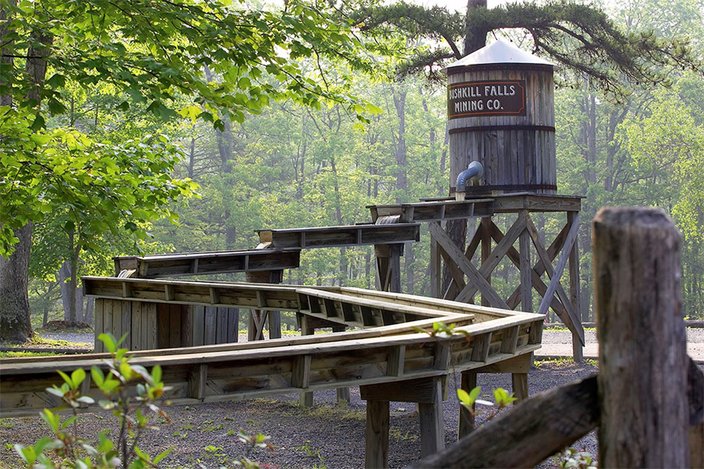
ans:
(475, 29)
(15, 322)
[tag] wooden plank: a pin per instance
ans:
(439, 210)
(519, 383)
(198, 322)
(480, 347)
(234, 324)
(175, 328)
(151, 328)
(126, 324)
(638, 306)
(435, 269)
(455, 273)
(528, 433)
(210, 327)
(572, 320)
(109, 317)
(484, 226)
(99, 315)
(222, 325)
(136, 332)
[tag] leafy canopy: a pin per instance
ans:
(186, 58)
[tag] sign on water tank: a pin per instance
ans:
(486, 98)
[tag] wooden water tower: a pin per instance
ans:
(500, 111)
(501, 114)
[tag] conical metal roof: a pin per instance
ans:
(499, 52)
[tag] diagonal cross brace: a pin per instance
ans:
(444, 240)
(496, 255)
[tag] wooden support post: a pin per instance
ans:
(432, 428)
(377, 434)
(519, 382)
(435, 269)
(485, 227)
(306, 397)
(343, 394)
(258, 318)
(526, 271)
(388, 262)
(642, 345)
(466, 424)
(577, 349)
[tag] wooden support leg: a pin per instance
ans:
(526, 269)
(432, 428)
(469, 382)
(485, 226)
(258, 318)
(306, 397)
(343, 394)
(388, 261)
(519, 381)
(274, 324)
(377, 434)
(577, 350)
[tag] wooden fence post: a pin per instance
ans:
(642, 344)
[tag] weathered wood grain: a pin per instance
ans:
(642, 342)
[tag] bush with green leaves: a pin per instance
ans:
(130, 392)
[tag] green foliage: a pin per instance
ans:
(572, 458)
(468, 400)
(131, 392)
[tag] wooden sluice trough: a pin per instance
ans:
(389, 351)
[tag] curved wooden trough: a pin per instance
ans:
(392, 353)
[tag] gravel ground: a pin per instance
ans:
(324, 436)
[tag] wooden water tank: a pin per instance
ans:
(500, 111)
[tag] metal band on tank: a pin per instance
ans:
(485, 189)
(489, 128)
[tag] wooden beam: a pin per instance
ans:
(339, 236)
(171, 265)
(440, 210)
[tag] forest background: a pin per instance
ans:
(291, 165)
